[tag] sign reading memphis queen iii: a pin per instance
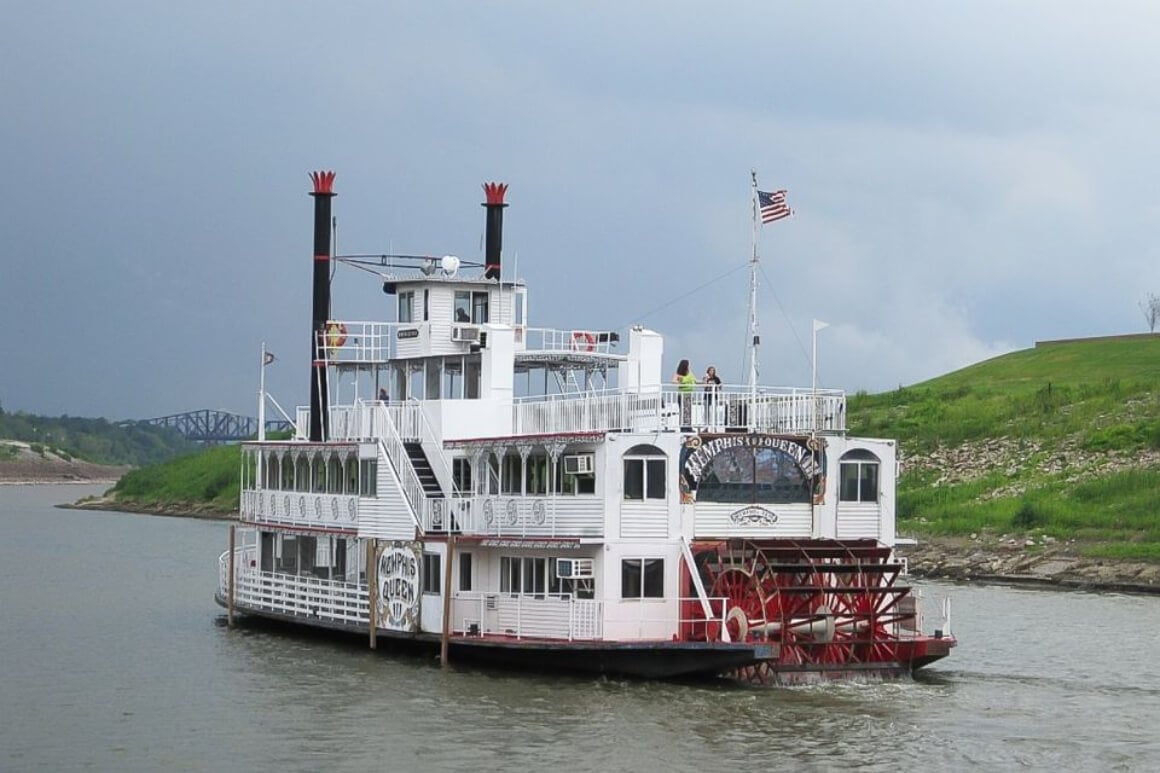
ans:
(398, 585)
(796, 449)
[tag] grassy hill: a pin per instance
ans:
(209, 480)
(1060, 440)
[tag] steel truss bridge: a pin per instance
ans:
(213, 427)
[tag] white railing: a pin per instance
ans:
(311, 598)
(767, 410)
(392, 452)
(372, 420)
(572, 341)
(300, 508)
(362, 342)
(733, 407)
(419, 428)
(531, 617)
(519, 516)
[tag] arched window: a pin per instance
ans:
(744, 475)
(644, 473)
(858, 479)
(273, 471)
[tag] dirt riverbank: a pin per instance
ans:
(20, 464)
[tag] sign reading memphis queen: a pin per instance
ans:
(398, 585)
(796, 449)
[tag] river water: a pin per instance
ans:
(113, 657)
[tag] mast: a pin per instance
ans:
(754, 338)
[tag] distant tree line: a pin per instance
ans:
(97, 440)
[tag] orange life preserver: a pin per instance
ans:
(335, 334)
(583, 342)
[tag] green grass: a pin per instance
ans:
(210, 477)
(1051, 392)
(1093, 399)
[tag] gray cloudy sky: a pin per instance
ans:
(968, 178)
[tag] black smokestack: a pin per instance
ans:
(495, 206)
(323, 193)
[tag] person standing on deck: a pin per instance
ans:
(686, 382)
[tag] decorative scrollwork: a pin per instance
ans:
(352, 510)
(334, 509)
(437, 513)
(512, 513)
(489, 512)
(539, 512)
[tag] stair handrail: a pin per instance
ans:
(425, 431)
(391, 446)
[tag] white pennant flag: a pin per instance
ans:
(819, 325)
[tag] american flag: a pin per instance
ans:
(773, 206)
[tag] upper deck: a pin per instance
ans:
(663, 409)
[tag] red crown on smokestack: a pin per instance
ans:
(494, 193)
(323, 183)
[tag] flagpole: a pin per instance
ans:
(262, 397)
(814, 379)
(754, 339)
(818, 325)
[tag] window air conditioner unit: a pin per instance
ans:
(467, 334)
(579, 464)
(574, 568)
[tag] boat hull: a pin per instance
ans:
(753, 663)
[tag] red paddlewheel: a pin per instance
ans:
(825, 603)
(744, 601)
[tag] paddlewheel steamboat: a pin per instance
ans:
(546, 498)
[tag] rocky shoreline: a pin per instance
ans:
(1017, 560)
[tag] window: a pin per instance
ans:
(431, 565)
(752, 475)
(510, 473)
(644, 473)
(407, 306)
(461, 474)
(858, 477)
(642, 578)
(527, 575)
(471, 307)
(509, 575)
(464, 571)
(368, 477)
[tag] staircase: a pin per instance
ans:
(423, 470)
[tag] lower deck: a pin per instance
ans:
(776, 608)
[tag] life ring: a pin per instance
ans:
(335, 335)
(583, 342)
